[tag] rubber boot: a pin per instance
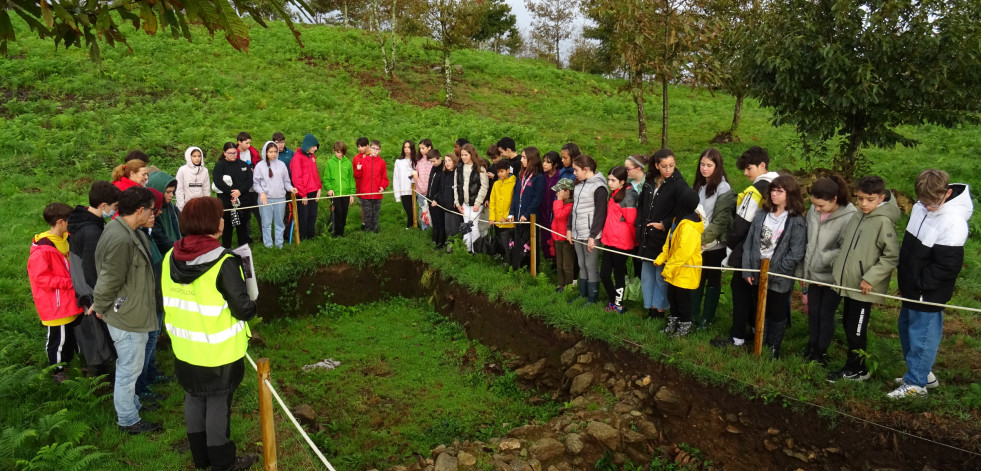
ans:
(592, 293)
(697, 295)
(198, 442)
(684, 328)
(582, 291)
(222, 457)
(711, 306)
(672, 325)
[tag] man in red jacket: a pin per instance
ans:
(51, 284)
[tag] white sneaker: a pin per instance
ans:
(932, 381)
(907, 390)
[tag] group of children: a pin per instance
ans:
(669, 229)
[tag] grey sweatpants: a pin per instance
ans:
(588, 262)
(370, 210)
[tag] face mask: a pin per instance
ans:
(109, 215)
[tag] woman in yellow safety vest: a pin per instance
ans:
(207, 306)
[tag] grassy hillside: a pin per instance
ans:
(66, 121)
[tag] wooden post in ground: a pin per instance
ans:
(415, 208)
(266, 417)
(761, 306)
(296, 222)
(534, 247)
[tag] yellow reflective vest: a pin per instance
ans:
(202, 330)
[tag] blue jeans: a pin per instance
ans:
(919, 333)
(423, 206)
(149, 370)
(130, 348)
(654, 287)
(272, 215)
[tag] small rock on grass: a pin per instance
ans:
(581, 384)
(466, 459)
(604, 434)
(445, 462)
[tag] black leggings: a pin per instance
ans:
(713, 258)
(437, 216)
(680, 300)
(615, 264)
(407, 206)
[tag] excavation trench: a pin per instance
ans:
(733, 431)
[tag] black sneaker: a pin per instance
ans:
(245, 461)
(848, 374)
(723, 342)
(150, 396)
(141, 427)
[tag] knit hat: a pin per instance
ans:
(563, 184)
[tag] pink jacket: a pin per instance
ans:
(305, 174)
(618, 231)
(51, 283)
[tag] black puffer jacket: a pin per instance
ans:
(657, 206)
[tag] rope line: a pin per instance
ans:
(289, 414)
(808, 403)
(298, 199)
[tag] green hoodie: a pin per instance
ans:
(168, 217)
(339, 175)
(869, 251)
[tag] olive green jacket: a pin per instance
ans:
(869, 251)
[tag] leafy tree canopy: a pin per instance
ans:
(78, 23)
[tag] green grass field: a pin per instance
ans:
(65, 121)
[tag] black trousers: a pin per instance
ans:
(713, 258)
(61, 345)
(451, 223)
(680, 300)
(855, 319)
(407, 207)
(340, 214)
(744, 298)
(616, 265)
(307, 216)
(437, 217)
(822, 303)
(243, 229)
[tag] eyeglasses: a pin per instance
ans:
(375, 148)
(281, 141)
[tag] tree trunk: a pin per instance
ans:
(638, 89)
(850, 160)
(664, 111)
(346, 23)
(737, 115)
(448, 85)
(391, 63)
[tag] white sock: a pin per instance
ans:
(738, 342)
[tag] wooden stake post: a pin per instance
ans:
(296, 222)
(415, 208)
(266, 417)
(534, 247)
(761, 306)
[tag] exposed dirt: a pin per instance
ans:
(733, 431)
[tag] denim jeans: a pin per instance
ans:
(919, 333)
(654, 287)
(149, 371)
(273, 214)
(130, 351)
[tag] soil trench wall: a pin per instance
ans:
(735, 432)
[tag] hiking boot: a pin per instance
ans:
(671, 326)
(723, 342)
(142, 426)
(848, 374)
(245, 461)
(907, 390)
(684, 328)
(932, 381)
(821, 359)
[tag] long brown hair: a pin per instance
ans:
(795, 202)
(712, 183)
(620, 173)
(265, 156)
(475, 159)
(533, 161)
(127, 169)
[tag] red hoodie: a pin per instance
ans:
(372, 177)
(305, 173)
(51, 284)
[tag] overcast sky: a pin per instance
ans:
(524, 22)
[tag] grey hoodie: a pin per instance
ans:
(823, 239)
(192, 180)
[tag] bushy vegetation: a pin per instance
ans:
(67, 121)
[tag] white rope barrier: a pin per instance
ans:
(300, 199)
(289, 414)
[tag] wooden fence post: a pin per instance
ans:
(761, 306)
(415, 208)
(296, 222)
(266, 417)
(534, 247)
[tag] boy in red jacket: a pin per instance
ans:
(51, 284)
(362, 144)
(371, 177)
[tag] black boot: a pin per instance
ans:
(774, 336)
(711, 305)
(697, 295)
(198, 442)
(671, 327)
(222, 457)
(592, 292)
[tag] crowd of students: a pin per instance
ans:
(589, 225)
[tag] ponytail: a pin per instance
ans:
(620, 173)
(832, 188)
(118, 173)
(127, 169)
